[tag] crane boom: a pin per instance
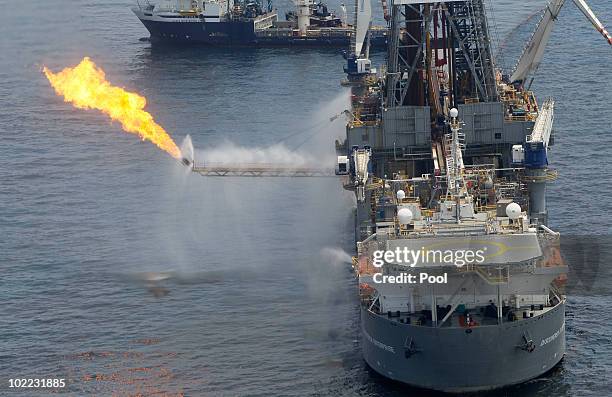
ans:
(542, 129)
(586, 10)
(534, 51)
(536, 144)
(362, 26)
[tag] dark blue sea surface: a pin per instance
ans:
(259, 300)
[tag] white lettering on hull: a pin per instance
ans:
(379, 344)
(553, 336)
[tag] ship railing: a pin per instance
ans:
(285, 32)
(556, 292)
(549, 175)
(485, 207)
(491, 274)
(463, 231)
(516, 118)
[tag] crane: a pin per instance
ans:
(582, 6)
(358, 62)
(534, 51)
(536, 161)
(542, 129)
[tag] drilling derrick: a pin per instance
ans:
(405, 65)
(427, 35)
(439, 57)
(473, 68)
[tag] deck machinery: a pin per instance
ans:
(447, 153)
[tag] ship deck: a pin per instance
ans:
(479, 317)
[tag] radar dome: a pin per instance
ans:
(513, 210)
(401, 194)
(404, 215)
(454, 112)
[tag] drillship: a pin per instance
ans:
(460, 278)
(249, 23)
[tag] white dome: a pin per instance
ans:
(454, 112)
(404, 215)
(401, 194)
(513, 210)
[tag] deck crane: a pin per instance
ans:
(358, 62)
(534, 51)
(533, 155)
(536, 144)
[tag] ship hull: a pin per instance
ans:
(242, 33)
(458, 360)
(218, 33)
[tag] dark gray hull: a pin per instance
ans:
(459, 359)
(242, 33)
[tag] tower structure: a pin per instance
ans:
(425, 35)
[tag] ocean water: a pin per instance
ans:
(259, 299)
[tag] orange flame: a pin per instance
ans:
(86, 87)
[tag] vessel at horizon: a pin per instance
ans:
(250, 24)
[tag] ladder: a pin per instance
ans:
(451, 166)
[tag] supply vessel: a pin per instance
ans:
(447, 155)
(250, 23)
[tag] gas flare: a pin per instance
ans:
(85, 86)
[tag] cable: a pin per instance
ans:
(314, 133)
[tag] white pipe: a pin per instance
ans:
(370, 237)
(549, 230)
